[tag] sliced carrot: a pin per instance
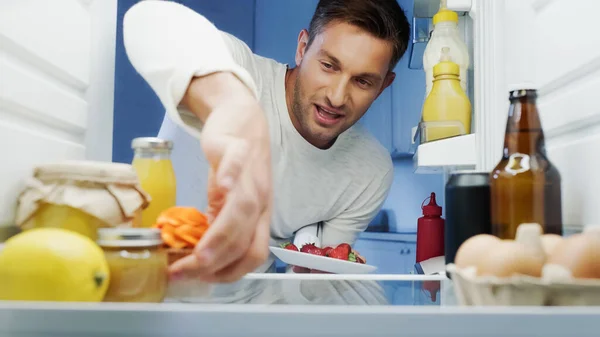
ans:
(172, 241)
(192, 230)
(193, 241)
(182, 227)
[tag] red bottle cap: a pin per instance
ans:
(431, 209)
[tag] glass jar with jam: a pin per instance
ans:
(81, 196)
(137, 263)
(152, 162)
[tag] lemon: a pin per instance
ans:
(52, 264)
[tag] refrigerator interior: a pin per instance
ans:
(272, 32)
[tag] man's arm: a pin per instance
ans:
(184, 58)
(346, 227)
(176, 50)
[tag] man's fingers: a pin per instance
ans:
(256, 255)
(186, 267)
(216, 197)
(229, 236)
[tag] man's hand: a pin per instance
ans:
(235, 139)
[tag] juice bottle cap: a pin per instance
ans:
(151, 143)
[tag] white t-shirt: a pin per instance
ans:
(342, 187)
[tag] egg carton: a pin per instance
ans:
(521, 290)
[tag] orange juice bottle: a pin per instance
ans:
(152, 162)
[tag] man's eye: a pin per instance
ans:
(363, 83)
(326, 65)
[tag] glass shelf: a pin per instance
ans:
(316, 289)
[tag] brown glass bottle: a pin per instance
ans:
(525, 186)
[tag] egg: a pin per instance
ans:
(579, 255)
(470, 252)
(530, 235)
(549, 242)
(511, 258)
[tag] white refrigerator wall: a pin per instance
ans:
(56, 86)
(559, 47)
(568, 76)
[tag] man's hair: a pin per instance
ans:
(383, 19)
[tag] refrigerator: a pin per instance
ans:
(67, 92)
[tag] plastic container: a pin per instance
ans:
(152, 161)
(137, 262)
(430, 231)
(553, 288)
(81, 196)
(445, 35)
(447, 102)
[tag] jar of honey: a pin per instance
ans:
(81, 196)
(152, 162)
(137, 263)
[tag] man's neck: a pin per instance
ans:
(290, 86)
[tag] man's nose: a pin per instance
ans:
(338, 93)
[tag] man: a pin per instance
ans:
(281, 144)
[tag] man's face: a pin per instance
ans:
(339, 76)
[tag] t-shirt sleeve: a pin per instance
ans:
(169, 44)
(346, 227)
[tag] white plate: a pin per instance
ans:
(322, 263)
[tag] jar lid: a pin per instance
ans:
(129, 237)
(88, 171)
(151, 143)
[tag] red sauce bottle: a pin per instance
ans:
(430, 231)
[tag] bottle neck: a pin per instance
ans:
(156, 154)
(446, 77)
(445, 27)
(524, 132)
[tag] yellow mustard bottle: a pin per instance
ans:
(447, 104)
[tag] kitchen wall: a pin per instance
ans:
(408, 192)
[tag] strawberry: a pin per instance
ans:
(341, 252)
(289, 246)
(306, 247)
(316, 251)
(310, 248)
(326, 250)
(359, 258)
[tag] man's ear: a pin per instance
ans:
(387, 81)
(302, 44)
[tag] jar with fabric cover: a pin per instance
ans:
(81, 196)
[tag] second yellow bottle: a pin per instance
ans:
(447, 103)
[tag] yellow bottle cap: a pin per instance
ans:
(444, 14)
(446, 66)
